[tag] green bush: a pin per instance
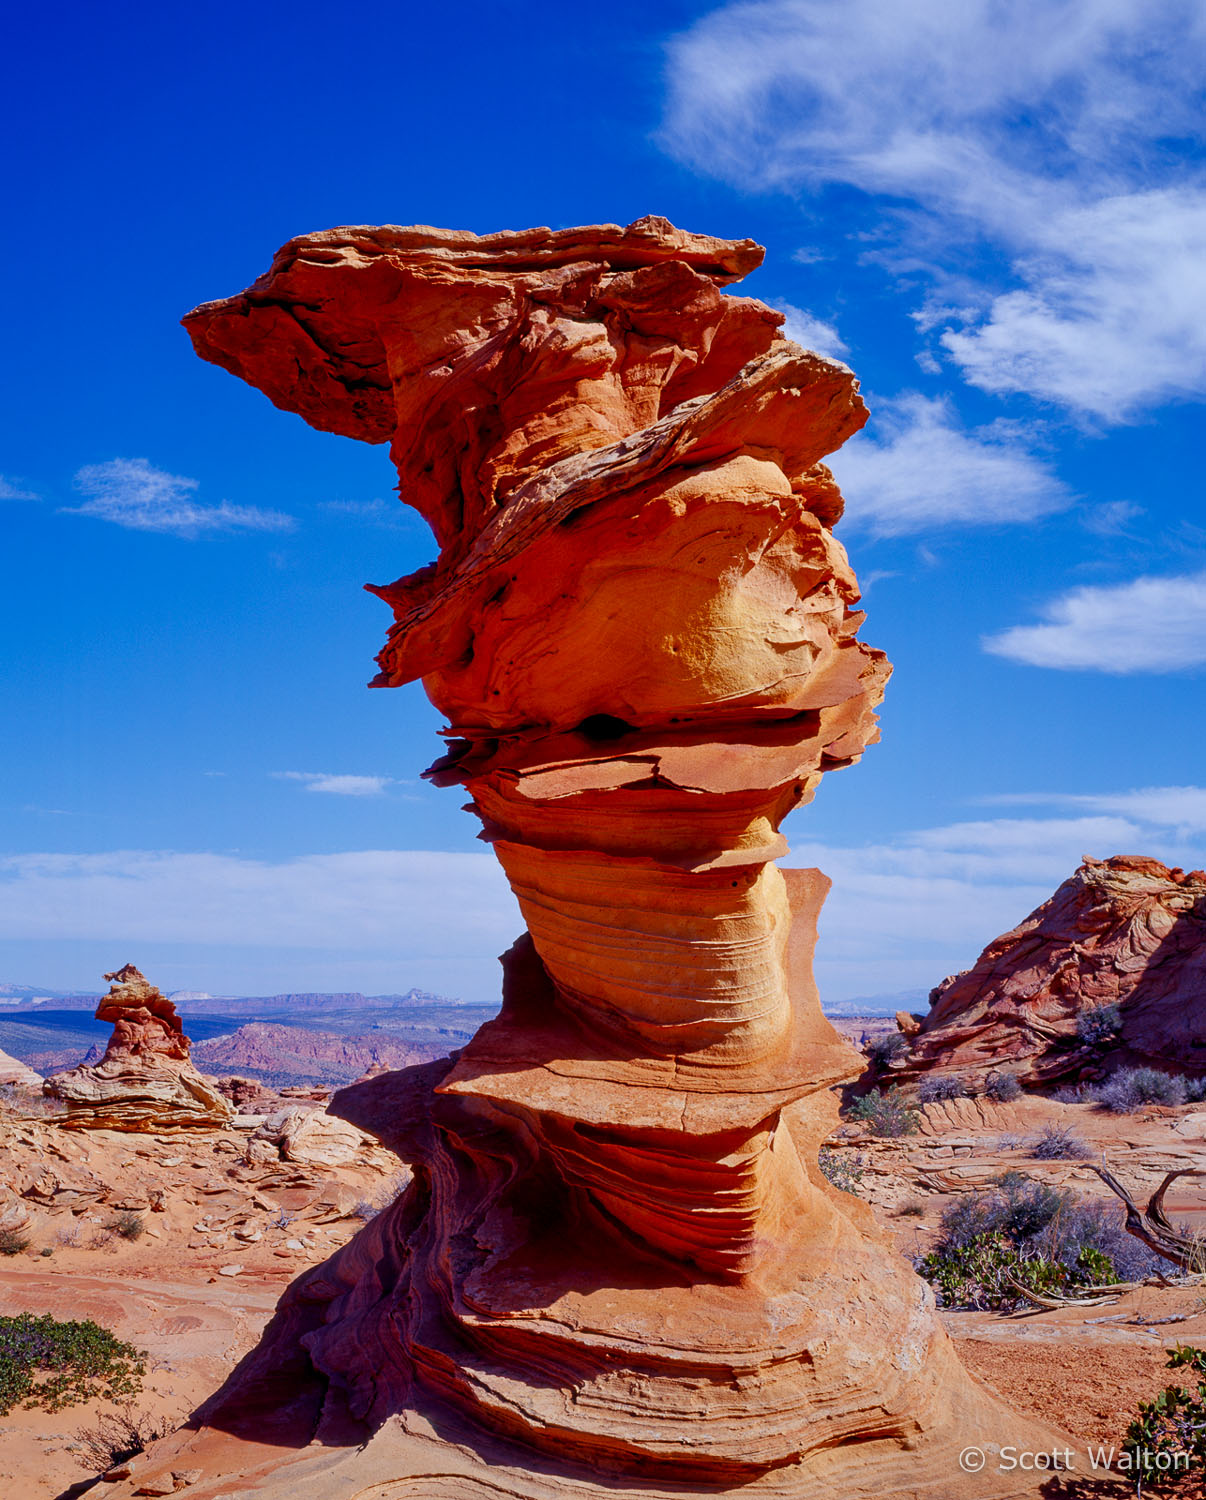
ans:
(1046, 1238)
(47, 1363)
(886, 1114)
(13, 1241)
(1099, 1024)
(885, 1050)
(1002, 1087)
(1174, 1423)
(843, 1168)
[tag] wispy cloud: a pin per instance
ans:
(1112, 316)
(1179, 808)
(11, 490)
(131, 493)
(1077, 156)
(934, 897)
(915, 468)
(1150, 624)
(811, 332)
(339, 785)
(392, 899)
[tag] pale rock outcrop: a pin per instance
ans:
(1126, 931)
(145, 1080)
(14, 1073)
(619, 1269)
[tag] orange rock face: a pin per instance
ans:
(145, 1080)
(1126, 931)
(619, 1266)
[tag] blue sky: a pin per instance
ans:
(996, 214)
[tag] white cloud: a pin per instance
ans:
(10, 490)
(933, 898)
(811, 332)
(1064, 134)
(1182, 808)
(340, 786)
(131, 493)
(1112, 318)
(1147, 625)
(413, 901)
(914, 468)
(1112, 518)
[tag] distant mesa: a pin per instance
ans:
(1126, 932)
(145, 1080)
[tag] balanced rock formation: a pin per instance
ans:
(1126, 931)
(14, 1073)
(619, 1268)
(145, 1080)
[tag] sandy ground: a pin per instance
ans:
(171, 1292)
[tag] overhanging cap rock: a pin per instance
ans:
(297, 336)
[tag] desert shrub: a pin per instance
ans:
(1174, 1423)
(1058, 1143)
(115, 1437)
(885, 1114)
(1046, 1238)
(1131, 1088)
(1076, 1093)
(128, 1225)
(282, 1219)
(1195, 1090)
(13, 1241)
(1002, 1087)
(843, 1168)
(47, 1363)
(1099, 1024)
(911, 1208)
(931, 1090)
(885, 1050)
(69, 1235)
(101, 1238)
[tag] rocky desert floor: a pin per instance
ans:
(228, 1219)
(231, 1217)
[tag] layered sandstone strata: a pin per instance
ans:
(14, 1073)
(145, 1080)
(619, 1268)
(1127, 932)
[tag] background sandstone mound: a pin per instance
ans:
(145, 1080)
(1126, 932)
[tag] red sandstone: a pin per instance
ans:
(619, 1268)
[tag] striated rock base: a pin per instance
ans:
(493, 1334)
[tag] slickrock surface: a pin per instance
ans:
(620, 1268)
(268, 1198)
(1126, 931)
(16, 1073)
(145, 1080)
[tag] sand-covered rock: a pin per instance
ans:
(145, 1081)
(1127, 932)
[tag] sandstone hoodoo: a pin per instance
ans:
(619, 1267)
(1122, 943)
(145, 1080)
